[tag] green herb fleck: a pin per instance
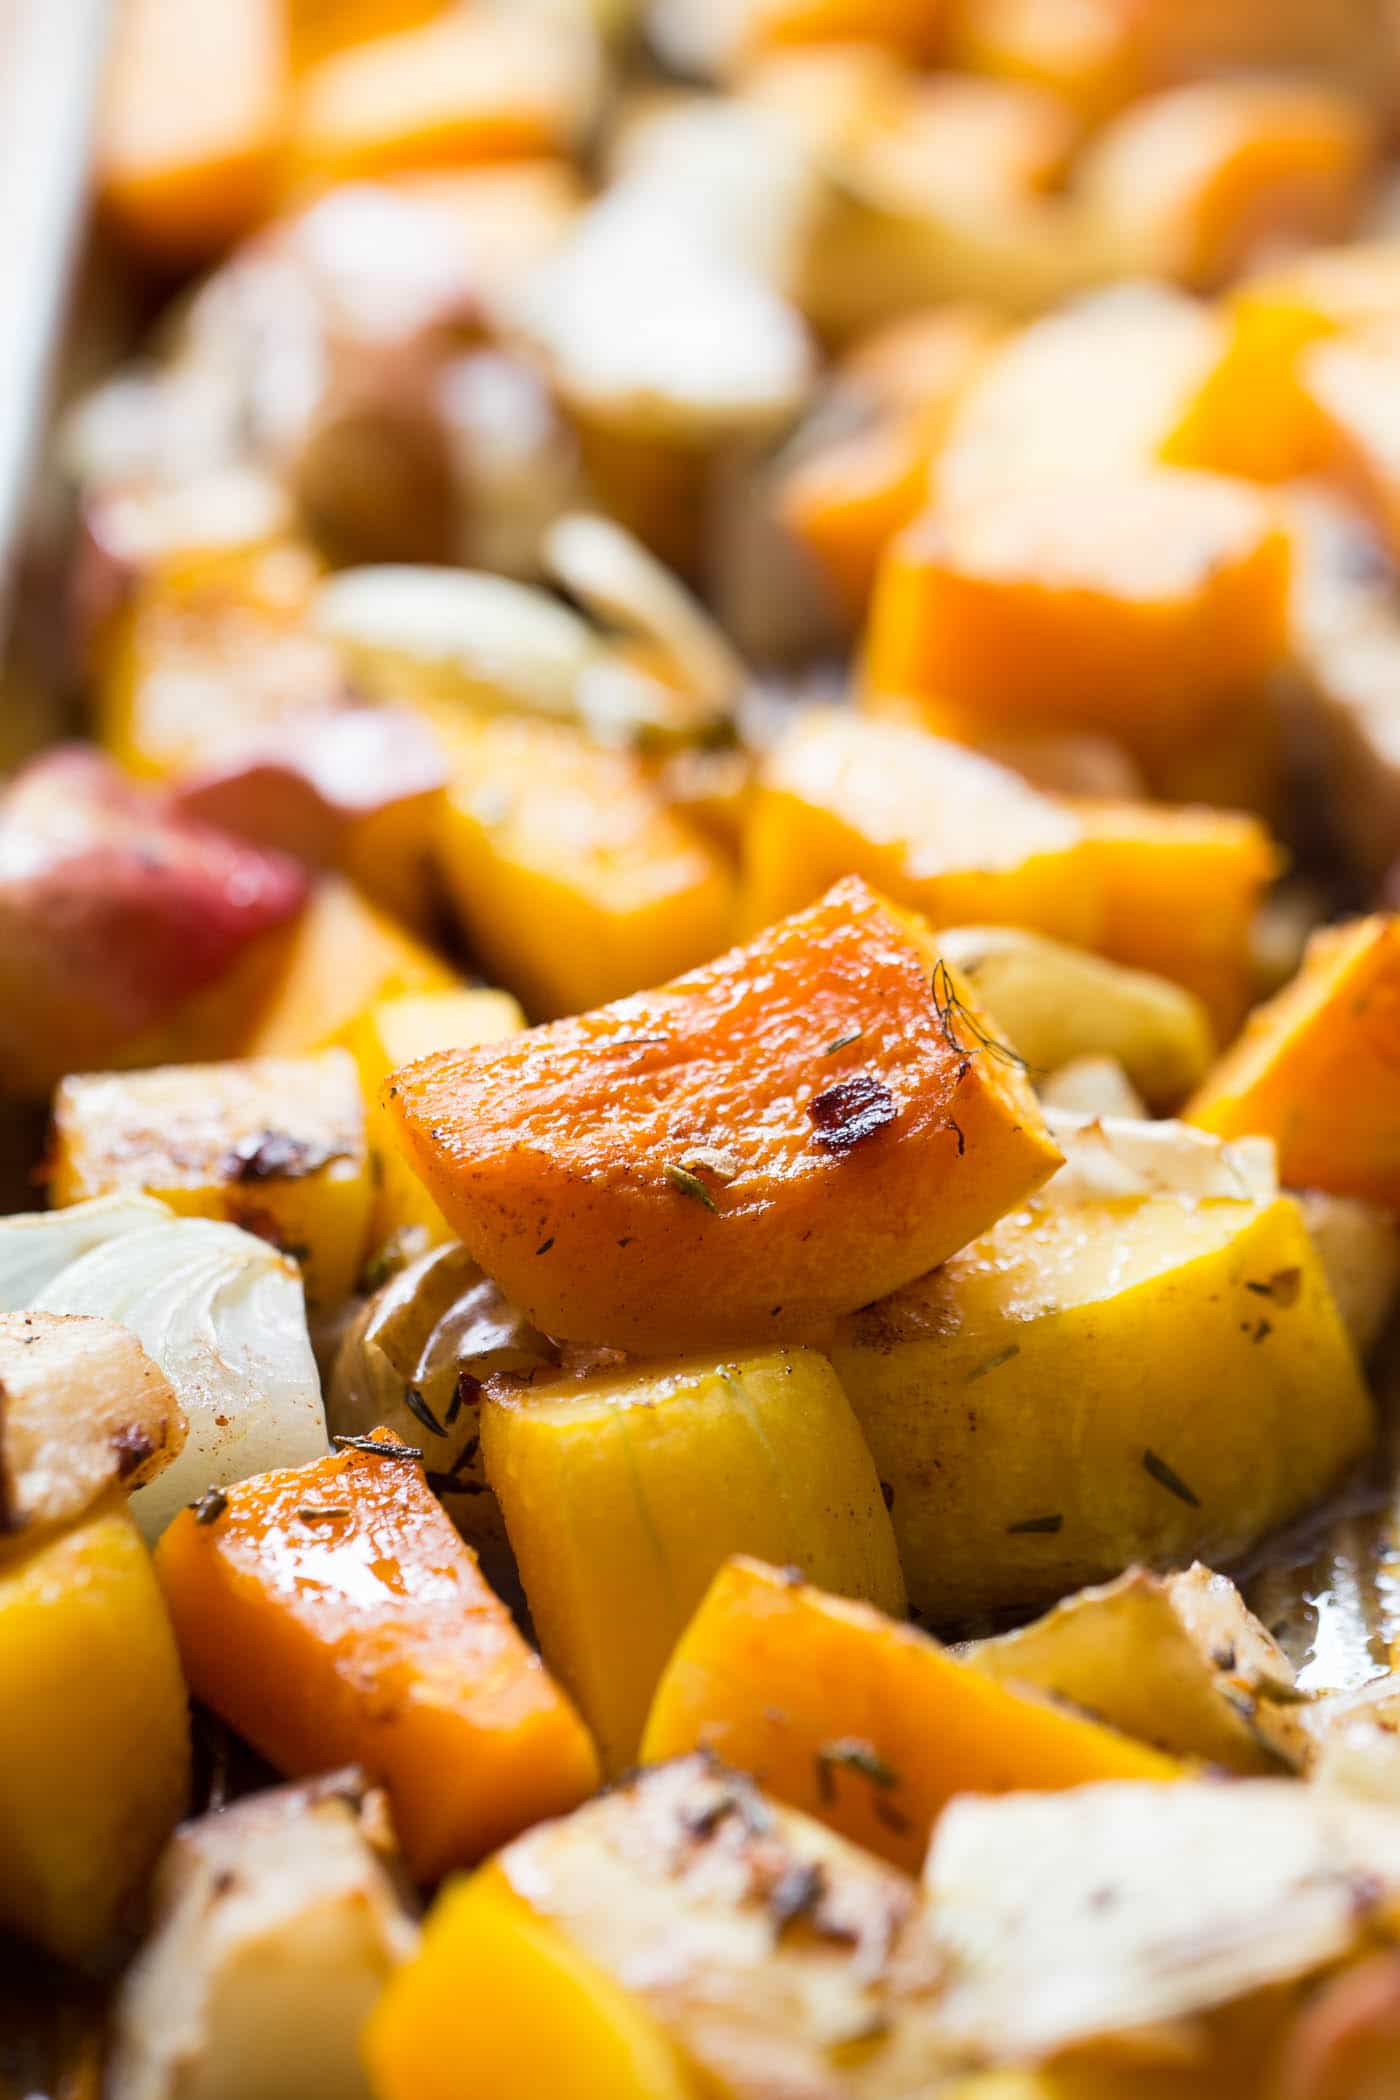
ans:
(321, 1516)
(687, 1184)
(842, 1042)
(993, 1363)
(1165, 1477)
(955, 1015)
(374, 1449)
(418, 1407)
(210, 1506)
(853, 1753)
(1052, 1521)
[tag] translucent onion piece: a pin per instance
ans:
(1108, 1158)
(221, 1312)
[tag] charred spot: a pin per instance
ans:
(131, 1447)
(850, 1112)
(275, 1155)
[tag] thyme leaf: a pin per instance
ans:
(1166, 1477)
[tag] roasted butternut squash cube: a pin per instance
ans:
(571, 878)
(1353, 389)
(1086, 53)
(773, 1136)
(214, 645)
(624, 1492)
(191, 124)
(1150, 606)
(719, 1920)
(1316, 1069)
(913, 28)
(1098, 387)
(332, 1615)
(865, 1724)
(276, 1145)
(1132, 1318)
(317, 28)
(1254, 414)
(343, 955)
(939, 828)
(1196, 182)
(1178, 893)
(94, 1740)
(394, 1032)
(471, 86)
(498, 1999)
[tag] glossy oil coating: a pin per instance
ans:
(663, 1173)
(332, 1614)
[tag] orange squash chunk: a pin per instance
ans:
(858, 1720)
(941, 829)
(1318, 1068)
(191, 123)
(1178, 891)
(1141, 604)
(912, 27)
(792, 1130)
(1353, 389)
(847, 499)
(476, 85)
(343, 955)
(332, 1615)
(1194, 183)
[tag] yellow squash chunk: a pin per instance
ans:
(865, 1724)
(1177, 1661)
(623, 1493)
(498, 2000)
(213, 646)
(1100, 387)
(773, 1957)
(476, 85)
(276, 1145)
(778, 1137)
(1318, 1068)
(191, 124)
(94, 1739)
(1178, 893)
(1253, 415)
(1056, 1005)
(393, 1032)
(1353, 388)
(1047, 1407)
(572, 879)
(1195, 183)
(1148, 605)
(937, 827)
(343, 955)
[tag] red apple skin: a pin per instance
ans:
(116, 918)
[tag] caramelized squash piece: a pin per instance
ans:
(751, 1149)
(1146, 605)
(276, 1145)
(1318, 1068)
(1046, 1407)
(939, 828)
(914, 28)
(1098, 387)
(623, 1493)
(1178, 891)
(865, 1724)
(94, 1735)
(393, 1032)
(474, 85)
(1253, 415)
(332, 1614)
(772, 1956)
(191, 124)
(845, 500)
(213, 647)
(572, 879)
(343, 955)
(1194, 183)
